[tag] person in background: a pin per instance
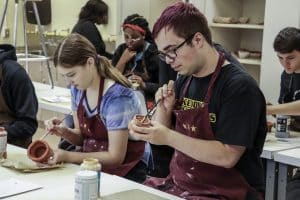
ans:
(219, 113)
(137, 58)
(287, 47)
(103, 103)
(18, 101)
(93, 12)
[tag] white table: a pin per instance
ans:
(284, 159)
(271, 147)
(59, 183)
(44, 90)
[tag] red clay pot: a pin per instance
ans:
(39, 151)
(141, 121)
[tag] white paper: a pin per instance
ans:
(56, 99)
(10, 187)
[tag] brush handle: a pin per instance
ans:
(60, 121)
(149, 111)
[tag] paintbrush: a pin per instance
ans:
(150, 111)
(60, 121)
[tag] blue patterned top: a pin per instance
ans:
(119, 105)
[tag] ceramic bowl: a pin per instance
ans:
(39, 151)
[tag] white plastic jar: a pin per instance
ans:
(86, 185)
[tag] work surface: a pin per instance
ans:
(59, 183)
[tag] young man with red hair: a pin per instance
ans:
(213, 115)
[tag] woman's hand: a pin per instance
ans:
(55, 127)
(58, 157)
(126, 56)
(137, 79)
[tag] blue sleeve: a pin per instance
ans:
(118, 112)
(75, 98)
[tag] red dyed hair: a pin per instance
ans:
(185, 19)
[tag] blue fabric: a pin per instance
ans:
(139, 56)
(119, 105)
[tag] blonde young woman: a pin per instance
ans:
(102, 104)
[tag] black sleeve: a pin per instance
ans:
(239, 118)
(151, 88)
(117, 54)
(152, 60)
(23, 102)
(285, 84)
(89, 30)
(166, 73)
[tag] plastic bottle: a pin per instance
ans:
(86, 185)
(282, 130)
(92, 164)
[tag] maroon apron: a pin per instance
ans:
(190, 178)
(96, 138)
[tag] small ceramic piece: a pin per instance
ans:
(255, 54)
(141, 120)
(224, 20)
(243, 53)
(39, 151)
(243, 20)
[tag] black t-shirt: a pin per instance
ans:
(290, 91)
(237, 115)
(289, 87)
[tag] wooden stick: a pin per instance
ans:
(60, 121)
(148, 113)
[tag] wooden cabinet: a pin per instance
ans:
(235, 36)
(276, 15)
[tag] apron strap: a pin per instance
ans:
(101, 87)
(211, 82)
(214, 77)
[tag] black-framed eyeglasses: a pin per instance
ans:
(172, 54)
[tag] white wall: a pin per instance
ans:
(278, 15)
(150, 9)
(64, 16)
